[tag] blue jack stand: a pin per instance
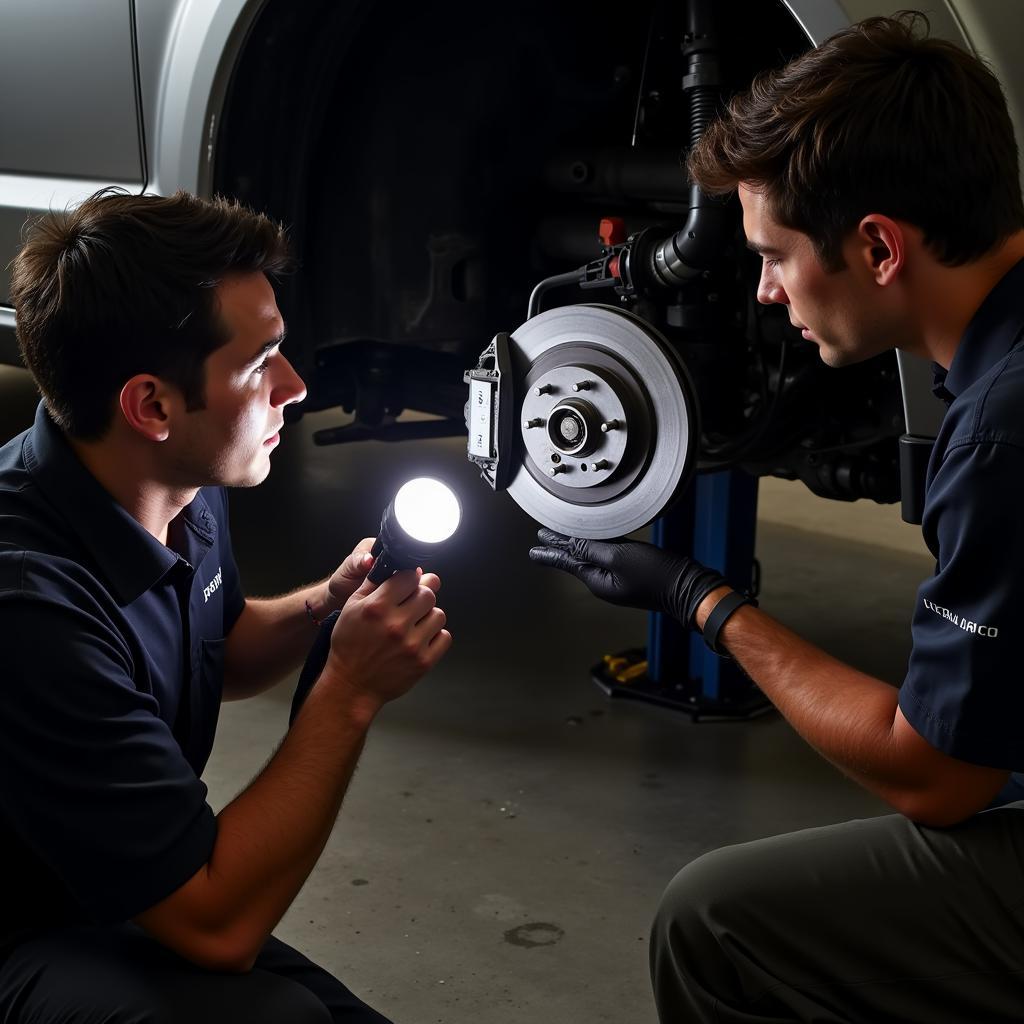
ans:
(716, 521)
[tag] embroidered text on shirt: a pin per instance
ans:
(966, 625)
(211, 588)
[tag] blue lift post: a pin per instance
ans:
(716, 522)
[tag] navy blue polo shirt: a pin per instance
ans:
(964, 689)
(111, 684)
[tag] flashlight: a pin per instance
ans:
(423, 514)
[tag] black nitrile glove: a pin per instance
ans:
(632, 573)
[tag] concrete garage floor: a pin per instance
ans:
(506, 838)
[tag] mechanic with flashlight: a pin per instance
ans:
(878, 178)
(152, 331)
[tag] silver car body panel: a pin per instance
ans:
(150, 127)
(67, 76)
(70, 121)
(187, 51)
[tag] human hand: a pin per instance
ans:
(387, 637)
(631, 573)
(346, 579)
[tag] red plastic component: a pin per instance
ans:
(612, 231)
(613, 268)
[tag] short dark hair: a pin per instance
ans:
(879, 118)
(124, 284)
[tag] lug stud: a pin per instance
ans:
(544, 389)
(599, 465)
(610, 425)
(555, 470)
(583, 385)
(535, 422)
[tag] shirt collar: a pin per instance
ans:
(994, 329)
(939, 389)
(131, 558)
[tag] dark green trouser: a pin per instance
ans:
(869, 921)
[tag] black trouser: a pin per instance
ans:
(870, 922)
(119, 975)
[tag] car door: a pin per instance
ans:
(70, 120)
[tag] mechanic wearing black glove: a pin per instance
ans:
(843, 171)
(640, 575)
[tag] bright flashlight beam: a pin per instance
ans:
(427, 510)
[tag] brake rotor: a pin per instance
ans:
(607, 419)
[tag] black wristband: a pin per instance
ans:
(718, 617)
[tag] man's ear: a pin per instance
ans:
(883, 247)
(147, 405)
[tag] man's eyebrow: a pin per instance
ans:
(267, 346)
(762, 250)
